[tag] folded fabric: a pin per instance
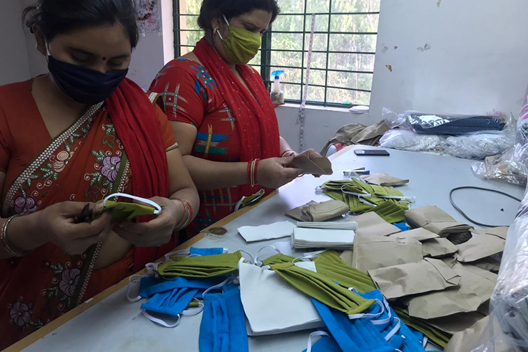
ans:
(438, 247)
(482, 245)
(200, 267)
(329, 225)
(475, 288)
(357, 134)
(325, 211)
(384, 180)
(435, 220)
(414, 278)
(371, 224)
(419, 234)
(297, 213)
(267, 232)
(390, 212)
(319, 238)
(314, 166)
(437, 336)
(287, 309)
(379, 252)
(318, 286)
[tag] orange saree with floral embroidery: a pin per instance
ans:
(85, 163)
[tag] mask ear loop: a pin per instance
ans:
(258, 262)
(142, 200)
(161, 322)
(314, 334)
(132, 280)
(183, 252)
(252, 261)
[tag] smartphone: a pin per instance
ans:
(371, 152)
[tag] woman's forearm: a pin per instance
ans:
(190, 195)
(22, 235)
(284, 146)
(210, 175)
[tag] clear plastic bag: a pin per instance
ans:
(522, 123)
(421, 122)
(408, 140)
(511, 167)
(482, 144)
(508, 326)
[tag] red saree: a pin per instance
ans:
(113, 147)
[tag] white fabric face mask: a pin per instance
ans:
(287, 309)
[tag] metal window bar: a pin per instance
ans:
(267, 49)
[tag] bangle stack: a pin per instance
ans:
(5, 242)
(252, 172)
(186, 217)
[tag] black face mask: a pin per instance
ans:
(82, 84)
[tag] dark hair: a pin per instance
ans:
(212, 9)
(55, 17)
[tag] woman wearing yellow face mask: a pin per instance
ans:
(221, 112)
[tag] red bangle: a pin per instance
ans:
(255, 173)
(184, 210)
(291, 152)
(191, 210)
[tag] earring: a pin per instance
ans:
(215, 30)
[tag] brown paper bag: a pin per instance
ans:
(435, 220)
(297, 213)
(370, 132)
(410, 279)
(314, 166)
(325, 211)
(470, 338)
(419, 234)
(371, 224)
(438, 247)
(384, 180)
(489, 264)
(475, 288)
(479, 247)
(456, 323)
(501, 232)
(379, 252)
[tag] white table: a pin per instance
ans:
(114, 324)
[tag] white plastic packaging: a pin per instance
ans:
(508, 326)
(410, 141)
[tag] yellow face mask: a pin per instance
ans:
(241, 46)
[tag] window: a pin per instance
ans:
(343, 49)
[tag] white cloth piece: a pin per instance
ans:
(307, 265)
(331, 225)
(318, 238)
(272, 305)
(267, 232)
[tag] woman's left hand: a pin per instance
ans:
(156, 232)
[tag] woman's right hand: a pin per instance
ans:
(273, 173)
(58, 224)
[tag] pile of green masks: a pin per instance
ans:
(361, 197)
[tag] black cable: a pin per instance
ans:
(480, 189)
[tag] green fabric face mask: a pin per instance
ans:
(241, 46)
(322, 289)
(127, 212)
(390, 212)
(330, 265)
(277, 259)
(200, 267)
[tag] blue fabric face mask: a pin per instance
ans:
(223, 327)
(82, 84)
(356, 335)
(207, 251)
(391, 327)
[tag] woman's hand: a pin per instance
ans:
(58, 224)
(156, 232)
(273, 173)
(311, 154)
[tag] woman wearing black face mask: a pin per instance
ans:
(70, 138)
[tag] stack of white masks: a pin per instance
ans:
(327, 235)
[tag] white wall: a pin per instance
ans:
(14, 65)
(477, 61)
